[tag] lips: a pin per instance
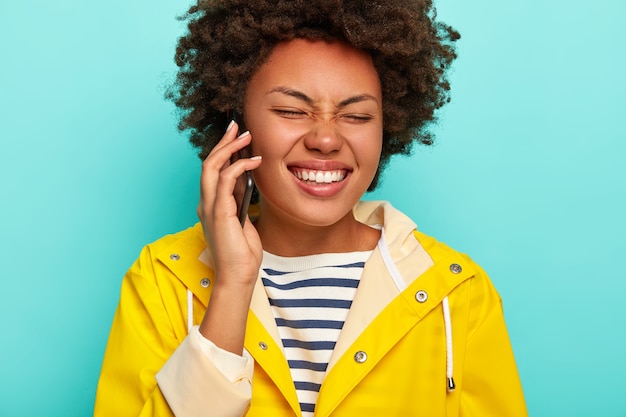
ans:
(319, 176)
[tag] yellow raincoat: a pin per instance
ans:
(391, 358)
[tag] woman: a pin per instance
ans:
(321, 304)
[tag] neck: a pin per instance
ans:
(286, 237)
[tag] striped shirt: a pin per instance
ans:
(310, 297)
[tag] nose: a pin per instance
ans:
(323, 137)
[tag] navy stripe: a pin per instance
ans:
(315, 282)
(269, 271)
(307, 408)
(310, 324)
(322, 345)
(354, 265)
(307, 386)
(313, 366)
(310, 302)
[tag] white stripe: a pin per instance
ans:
(338, 293)
(311, 262)
(308, 396)
(315, 335)
(320, 272)
(307, 375)
(305, 313)
(316, 356)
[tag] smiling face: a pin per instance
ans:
(315, 113)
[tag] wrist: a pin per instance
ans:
(230, 287)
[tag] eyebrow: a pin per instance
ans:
(310, 101)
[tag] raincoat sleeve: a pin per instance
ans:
(143, 342)
(491, 386)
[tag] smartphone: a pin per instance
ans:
(245, 183)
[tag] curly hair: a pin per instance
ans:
(228, 40)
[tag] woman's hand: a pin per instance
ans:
(234, 249)
(237, 251)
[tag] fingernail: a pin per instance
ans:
(256, 158)
(244, 134)
(230, 125)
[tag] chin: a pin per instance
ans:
(310, 213)
(321, 215)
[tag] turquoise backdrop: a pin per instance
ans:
(528, 176)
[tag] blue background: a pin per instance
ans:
(527, 176)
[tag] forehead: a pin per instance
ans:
(318, 66)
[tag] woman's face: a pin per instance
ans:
(315, 113)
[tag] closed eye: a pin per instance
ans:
(289, 112)
(357, 118)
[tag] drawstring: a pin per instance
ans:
(189, 310)
(449, 359)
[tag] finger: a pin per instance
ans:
(219, 158)
(225, 206)
(232, 132)
(216, 199)
(217, 165)
(213, 162)
(219, 217)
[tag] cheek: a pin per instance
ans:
(273, 142)
(370, 152)
(372, 165)
(272, 148)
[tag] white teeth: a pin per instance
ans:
(321, 177)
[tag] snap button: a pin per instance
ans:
(174, 257)
(360, 356)
(421, 296)
(205, 282)
(263, 345)
(456, 268)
